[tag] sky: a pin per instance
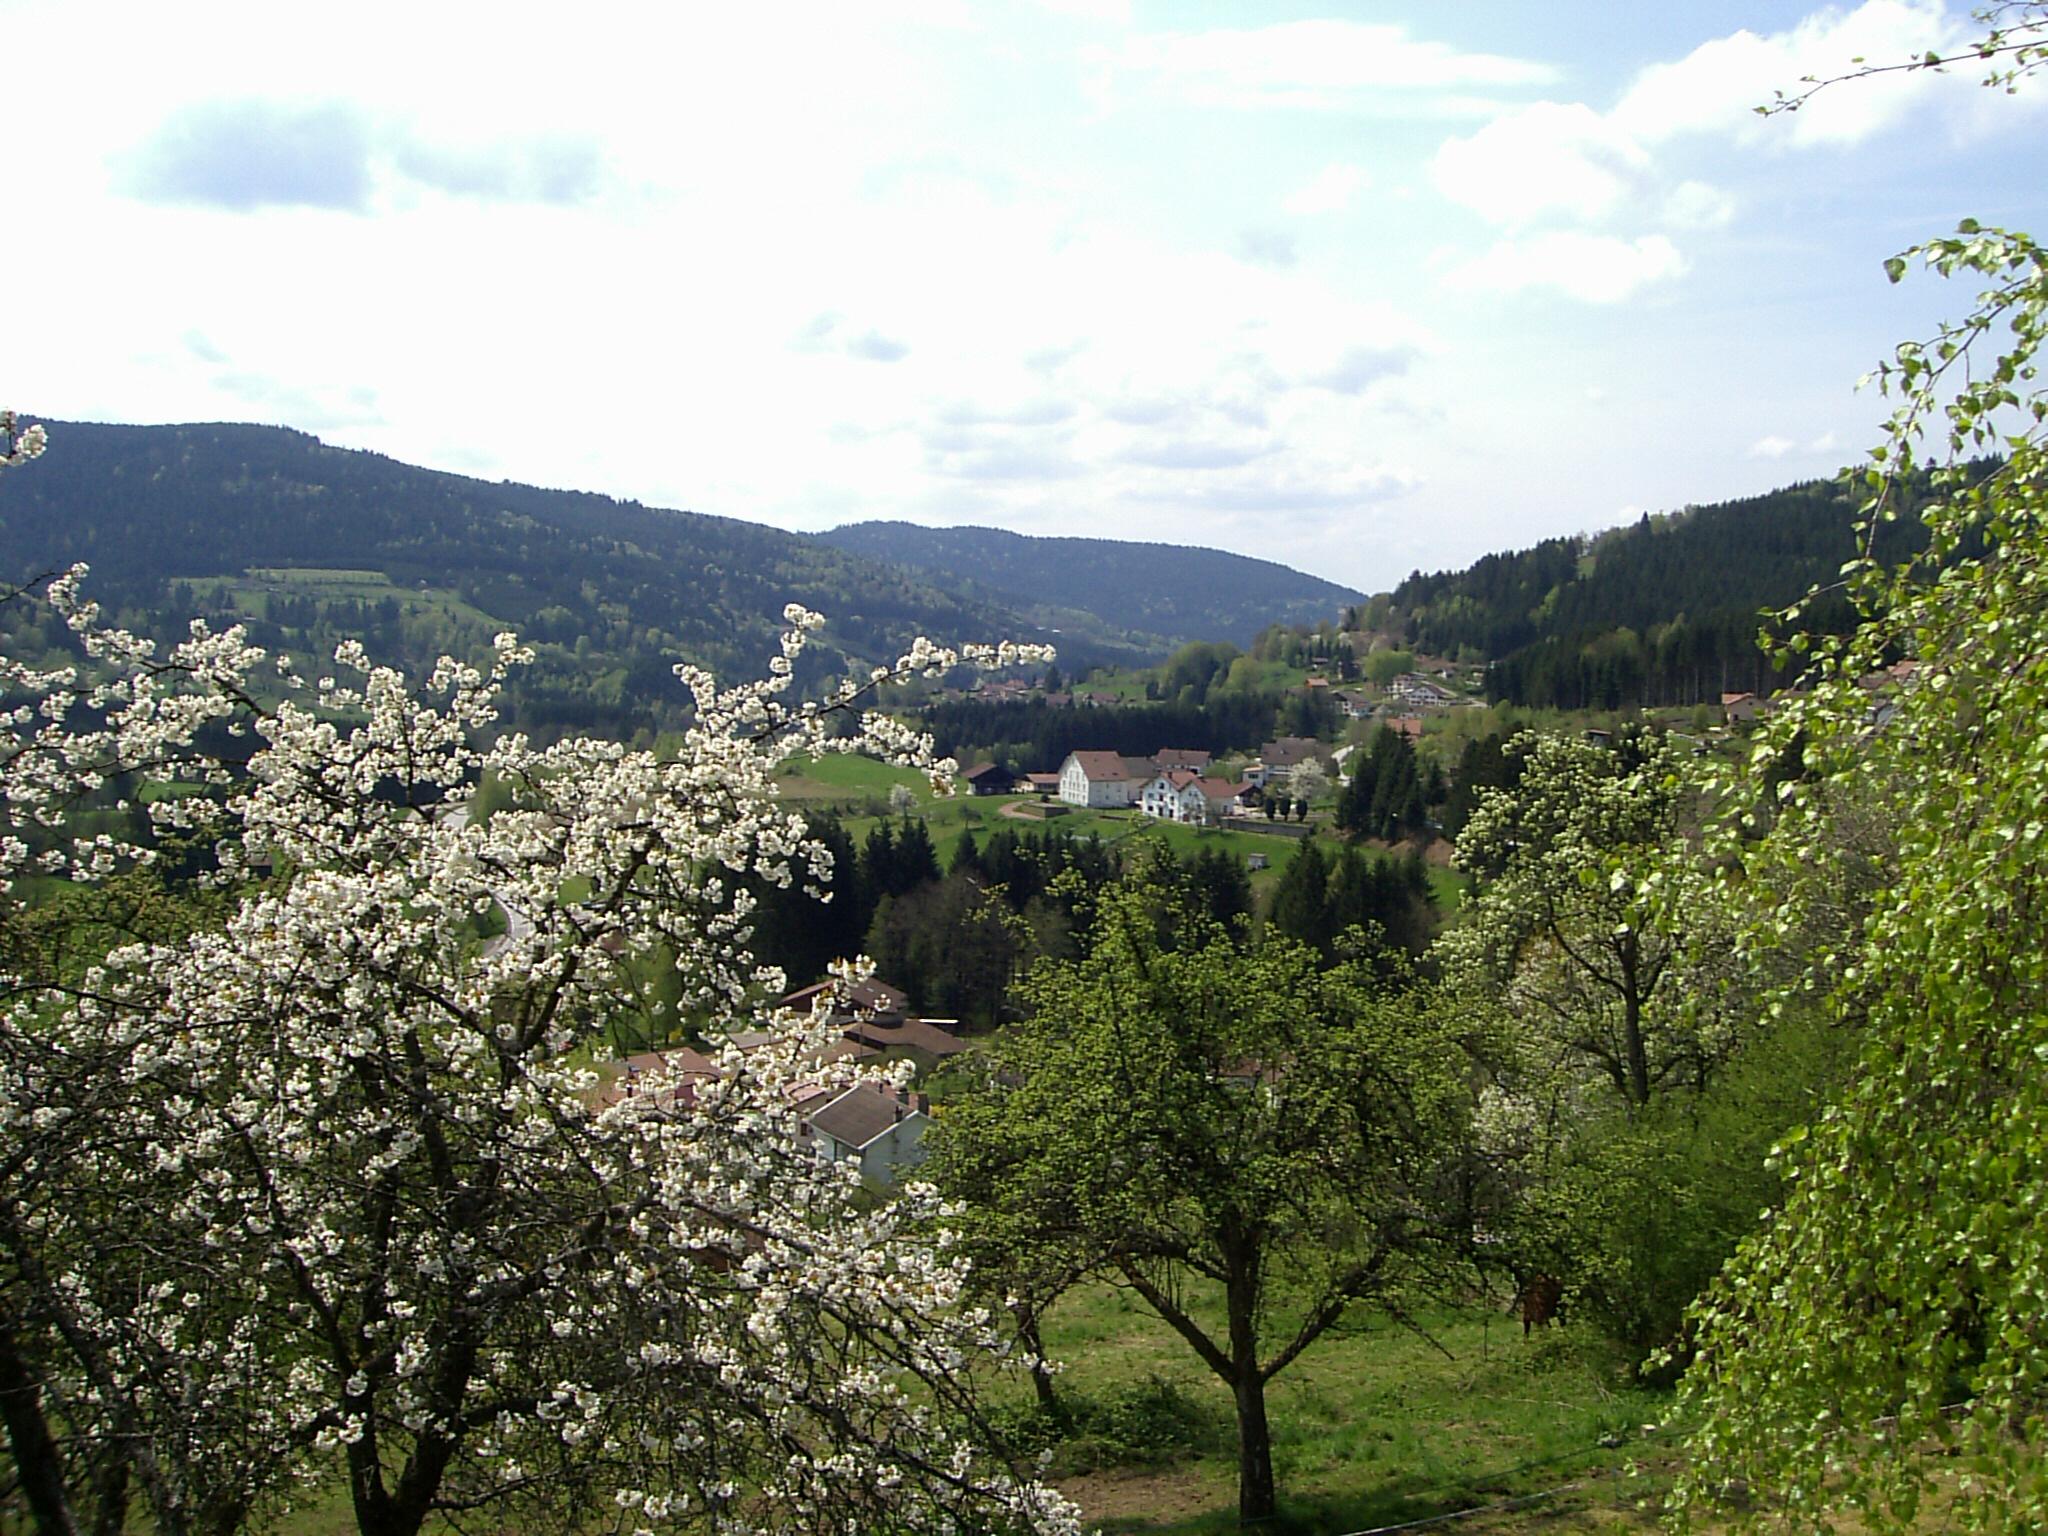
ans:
(1365, 289)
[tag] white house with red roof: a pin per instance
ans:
(1103, 780)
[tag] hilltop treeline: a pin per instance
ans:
(1663, 612)
(1163, 589)
(1031, 737)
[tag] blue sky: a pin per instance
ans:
(1362, 288)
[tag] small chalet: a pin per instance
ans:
(989, 779)
(881, 1129)
(1738, 708)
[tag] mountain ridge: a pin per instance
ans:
(1178, 591)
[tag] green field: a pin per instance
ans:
(250, 593)
(857, 788)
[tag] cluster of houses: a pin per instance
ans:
(1174, 785)
(1178, 784)
(880, 1128)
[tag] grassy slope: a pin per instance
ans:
(1373, 1427)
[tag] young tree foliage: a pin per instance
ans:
(1251, 1144)
(1882, 1336)
(331, 1187)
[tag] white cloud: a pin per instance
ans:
(1696, 205)
(1118, 11)
(1599, 269)
(1267, 248)
(244, 154)
(827, 332)
(1776, 447)
(1320, 65)
(1718, 86)
(1330, 191)
(1362, 367)
(1547, 157)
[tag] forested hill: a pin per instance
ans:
(1161, 589)
(1663, 611)
(174, 518)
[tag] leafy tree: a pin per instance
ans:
(1205, 1120)
(1382, 667)
(1905, 1271)
(1590, 907)
(1220, 887)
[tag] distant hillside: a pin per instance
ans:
(314, 542)
(1165, 590)
(1664, 611)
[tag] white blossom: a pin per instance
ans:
(330, 1180)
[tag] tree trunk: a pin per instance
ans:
(36, 1460)
(1041, 1373)
(1632, 1025)
(1255, 1498)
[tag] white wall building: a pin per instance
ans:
(1102, 780)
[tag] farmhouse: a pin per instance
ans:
(1182, 795)
(1103, 780)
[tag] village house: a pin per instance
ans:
(869, 998)
(1180, 757)
(1162, 795)
(1103, 780)
(880, 1128)
(1182, 795)
(1278, 759)
(1738, 708)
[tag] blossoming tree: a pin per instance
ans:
(328, 1189)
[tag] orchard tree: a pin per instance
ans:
(1593, 922)
(331, 1185)
(1207, 1118)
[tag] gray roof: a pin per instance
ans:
(859, 1115)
